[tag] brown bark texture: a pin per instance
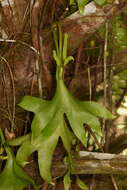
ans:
(93, 163)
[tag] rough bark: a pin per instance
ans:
(93, 163)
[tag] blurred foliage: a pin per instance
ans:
(119, 84)
(120, 32)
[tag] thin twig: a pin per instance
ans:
(105, 75)
(105, 63)
(12, 12)
(95, 138)
(77, 64)
(90, 84)
(114, 183)
(96, 73)
(25, 13)
(13, 90)
(109, 82)
(6, 97)
(20, 42)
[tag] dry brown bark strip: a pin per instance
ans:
(93, 163)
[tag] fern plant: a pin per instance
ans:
(49, 122)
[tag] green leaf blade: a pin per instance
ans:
(100, 2)
(97, 109)
(45, 154)
(19, 140)
(67, 181)
(77, 128)
(81, 5)
(68, 59)
(66, 136)
(32, 104)
(81, 184)
(13, 176)
(24, 152)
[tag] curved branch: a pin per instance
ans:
(93, 163)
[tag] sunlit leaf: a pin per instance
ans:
(81, 5)
(71, 2)
(67, 181)
(101, 2)
(68, 59)
(97, 109)
(81, 184)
